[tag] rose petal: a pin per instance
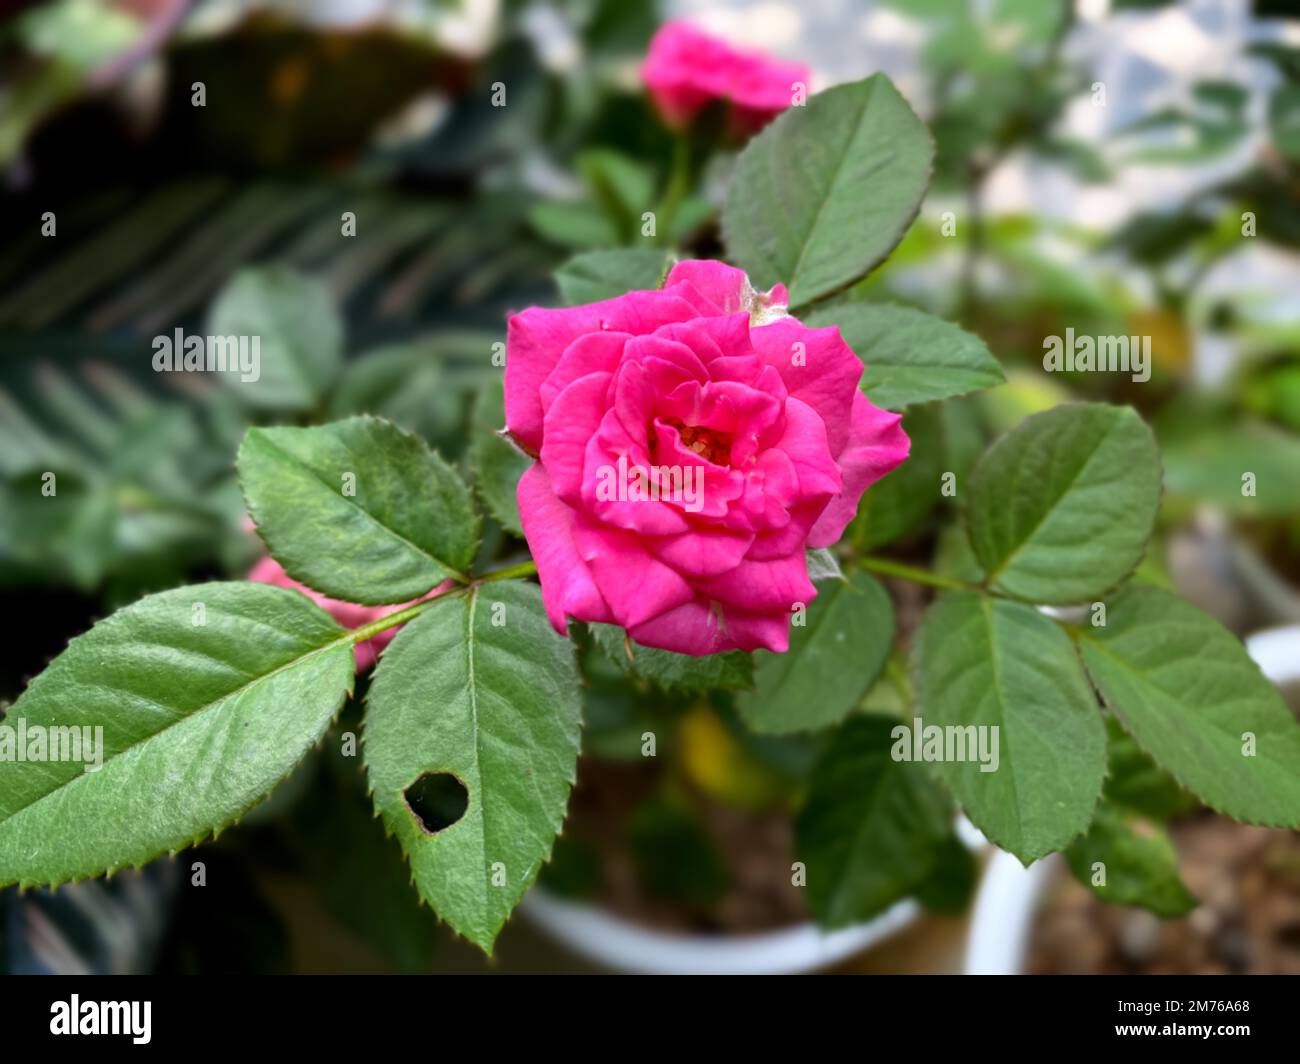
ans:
(568, 587)
(877, 444)
(536, 338)
(818, 367)
(612, 557)
(763, 587)
(703, 552)
(571, 421)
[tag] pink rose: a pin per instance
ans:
(752, 423)
(348, 614)
(687, 69)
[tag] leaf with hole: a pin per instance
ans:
(833, 659)
(825, 192)
(480, 688)
(1183, 686)
(358, 509)
(999, 679)
(207, 696)
(1062, 506)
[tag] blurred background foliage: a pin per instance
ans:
(1119, 168)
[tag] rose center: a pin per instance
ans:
(707, 443)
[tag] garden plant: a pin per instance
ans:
(682, 494)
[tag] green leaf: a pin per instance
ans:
(1139, 863)
(69, 535)
(1062, 505)
(300, 336)
(833, 659)
(962, 428)
(497, 463)
(953, 556)
(911, 356)
(693, 212)
(576, 225)
(992, 663)
(617, 714)
(1209, 461)
(479, 687)
(408, 524)
(732, 671)
(675, 857)
(1284, 120)
(414, 385)
(140, 481)
(872, 827)
(825, 192)
(1136, 783)
(1185, 689)
(952, 880)
(203, 711)
(620, 184)
(592, 276)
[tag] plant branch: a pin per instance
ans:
(392, 620)
(679, 181)
(917, 576)
(367, 631)
(527, 568)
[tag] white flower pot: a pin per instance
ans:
(619, 944)
(599, 936)
(1009, 893)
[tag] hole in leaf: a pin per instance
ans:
(438, 800)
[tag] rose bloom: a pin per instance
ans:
(708, 377)
(348, 614)
(686, 70)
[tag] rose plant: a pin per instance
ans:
(766, 381)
